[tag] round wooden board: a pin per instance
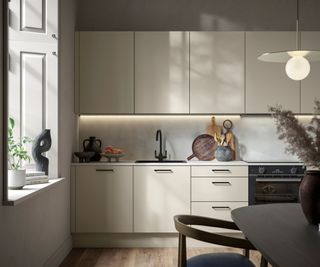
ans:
(203, 147)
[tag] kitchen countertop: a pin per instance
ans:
(188, 163)
(274, 163)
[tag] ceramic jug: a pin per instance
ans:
(92, 145)
(223, 153)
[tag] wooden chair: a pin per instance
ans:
(183, 225)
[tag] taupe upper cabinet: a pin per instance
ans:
(310, 87)
(106, 74)
(161, 72)
(267, 83)
(217, 72)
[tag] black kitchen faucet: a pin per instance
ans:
(160, 156)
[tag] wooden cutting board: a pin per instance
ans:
(214, 128)
(230, 138)
(203, 147)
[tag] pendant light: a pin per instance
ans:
(297, 61)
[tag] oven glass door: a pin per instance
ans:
(277, 191)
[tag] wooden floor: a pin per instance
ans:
(136, 257)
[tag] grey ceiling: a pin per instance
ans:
(196, 15)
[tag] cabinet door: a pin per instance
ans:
(162, 72)
(216, 72)
(310, 87)
(219, 171)
(267, 83)
(103, 199)
(160, 192)
(220, 189)
(216, 210)
(106, 72)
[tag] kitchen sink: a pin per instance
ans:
(162, 161)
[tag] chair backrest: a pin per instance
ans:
(183, 225)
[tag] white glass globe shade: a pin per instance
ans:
(298, 68)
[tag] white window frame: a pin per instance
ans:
(51, 119)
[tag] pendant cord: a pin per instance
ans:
(298, 43)
(297, 10)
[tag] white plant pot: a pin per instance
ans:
(16, 179)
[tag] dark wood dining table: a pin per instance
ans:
(281, 233)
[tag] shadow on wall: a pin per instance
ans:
(195, 15)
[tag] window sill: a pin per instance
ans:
(16, 197)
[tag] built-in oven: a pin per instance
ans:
(274, 183)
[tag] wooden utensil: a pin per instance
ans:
(230, 139)
(203, 147)
(213, 128)
(227, 124)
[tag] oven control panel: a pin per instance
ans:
(277, 170)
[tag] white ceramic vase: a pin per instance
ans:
(16, 179)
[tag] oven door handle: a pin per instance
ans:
(278, 180)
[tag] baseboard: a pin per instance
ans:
(58, 256)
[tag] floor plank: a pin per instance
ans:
(138, 257)
(74, 257)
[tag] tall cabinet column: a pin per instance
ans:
(161, 72)
(267, 83)
(217, 72)
(310, 87)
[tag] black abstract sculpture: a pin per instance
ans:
(42, 144)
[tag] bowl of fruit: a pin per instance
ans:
(113, 153)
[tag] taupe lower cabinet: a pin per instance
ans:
(217, 72)
(310, 87)
(106, 72)
(103, 199)
(161, 72)
(106, 198)
(267, 83)
(216, 190)
(160, 192)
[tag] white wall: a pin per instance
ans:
(256, 136)
(37, 232)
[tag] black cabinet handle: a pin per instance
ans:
(104, 170)
(221, 208)
(221, 171)
(163, 171)
(221, 183)
(278, 179)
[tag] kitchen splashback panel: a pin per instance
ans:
(256, 136)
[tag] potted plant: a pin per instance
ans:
(303, 141)
(17, 154)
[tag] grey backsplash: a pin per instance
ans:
(256, 136)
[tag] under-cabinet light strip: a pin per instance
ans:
(160, 116)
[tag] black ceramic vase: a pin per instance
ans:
(92, 145)
(42, 144)
(310, 196)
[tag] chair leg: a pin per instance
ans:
(182, 253)
(246, 253)
(263, 262)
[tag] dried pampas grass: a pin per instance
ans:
(302, 141)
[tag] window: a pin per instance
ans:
(32, 74)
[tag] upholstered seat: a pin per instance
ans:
(219, 260)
